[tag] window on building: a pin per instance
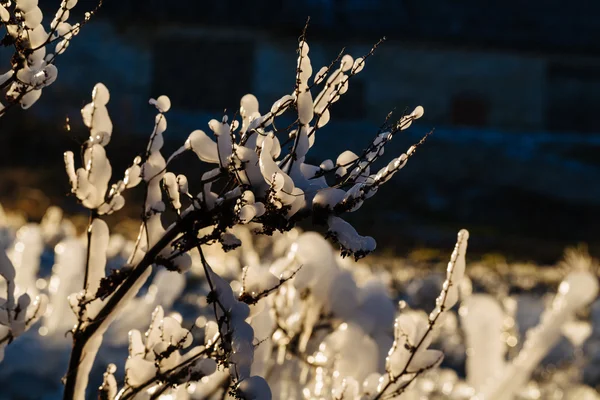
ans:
(203, 74)
(469, 110)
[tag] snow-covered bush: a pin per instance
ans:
(36, 48)
(254, 178)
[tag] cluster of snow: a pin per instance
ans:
(33, 60)
(157, 354)
(90, 182)
(17, 312)
(19, 264)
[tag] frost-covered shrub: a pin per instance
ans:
(36, 48)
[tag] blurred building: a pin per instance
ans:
(508, 65)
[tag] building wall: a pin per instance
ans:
(207, 70)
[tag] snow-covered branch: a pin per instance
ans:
(36, 48)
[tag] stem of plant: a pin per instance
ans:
(81, 337)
